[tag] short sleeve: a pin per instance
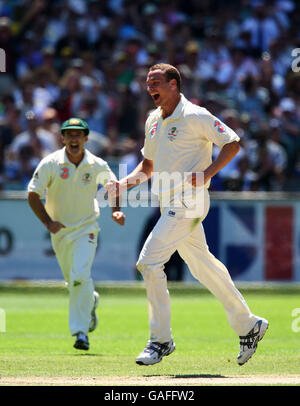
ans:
(105, 174)
(216, 131)
(41, 178)
(147, 150)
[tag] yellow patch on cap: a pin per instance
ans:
(74, 121)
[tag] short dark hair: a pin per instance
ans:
(170, 71)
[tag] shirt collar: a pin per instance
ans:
(63, 158)
(178, 109)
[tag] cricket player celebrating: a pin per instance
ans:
(178, 138)
(71, 176)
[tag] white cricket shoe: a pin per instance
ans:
(248, 343)
(154, 352)
(82, 341)
(94, 318)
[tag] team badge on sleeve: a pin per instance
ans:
(219, 126)
(153, 128)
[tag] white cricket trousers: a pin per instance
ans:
(172, 232)
(75, 253)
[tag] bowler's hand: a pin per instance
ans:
(115, 188)
(119, 217)
(197, 179)
(55, 226)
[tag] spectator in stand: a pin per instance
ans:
(56, 25)
(89, 58)
(69, 85)
(24, 100)
(11, 115)
(127, 111)
(234, 70)
(73, 39)
(94, 21)
(49, 63)
(51, 124)
(9, 46)
(247, 178)
(46, 90)
(290, 124)
(91, 103)
(6, 137)
(226, 178)
(30, 56)
(19, 171)
(212, 55)
(268, 160)
(251, 99)
(40, 140)
(262, 25)
(90, 69)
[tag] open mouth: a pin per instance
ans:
(155, 96)
(74, 147)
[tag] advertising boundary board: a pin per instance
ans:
(256, 235)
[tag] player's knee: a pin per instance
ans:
(143, 267)
(150, 270)
(79, 276)
(79, 282)
(140, 265)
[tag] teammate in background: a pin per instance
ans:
(178, 138)
(71, 176)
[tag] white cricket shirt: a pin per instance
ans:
(70, 190)
(183, 141)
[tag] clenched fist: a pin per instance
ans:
(119, 217)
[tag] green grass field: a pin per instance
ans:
(37, 342)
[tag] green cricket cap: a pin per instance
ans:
(76, 124)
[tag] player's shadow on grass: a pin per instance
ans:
(199, 376)
(83, 354)
(191, 376)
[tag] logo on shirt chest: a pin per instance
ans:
(172, 133)
(86, 178)
(64, 173)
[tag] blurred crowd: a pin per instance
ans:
(90, 59)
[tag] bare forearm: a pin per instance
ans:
(140, 174)
(38, 208)
(226, 154)
(40, 211)
(116, 204)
